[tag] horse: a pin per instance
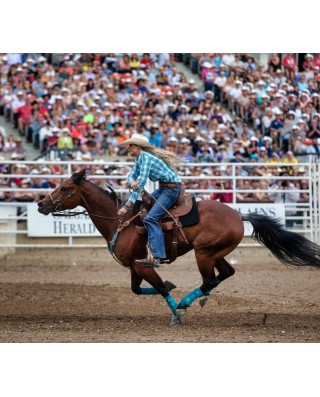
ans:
(219, 231)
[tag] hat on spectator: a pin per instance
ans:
(191, 130)
(207, 65)
(25, 181)
(315, 94)
(199, 139)
(305, 115)
(213, 142)
(66, 130)
(41, 59)
(292, 112)
(99, 172)
(295, 127)
(139, 140)
(86, 156)
(5, 58)
(263, 149)
(191, 81)
(309, 56)
(180, 131)
(173, 139)
(245, 88)
(267, 138)
(300, 121)
(107, 104)
(185, 140)
(254, 138)
(20, 93)
(133, 104)
(261, 82)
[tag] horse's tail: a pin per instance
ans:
(288, 247)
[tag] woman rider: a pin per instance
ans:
(157, 165)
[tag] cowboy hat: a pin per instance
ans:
(137, 139)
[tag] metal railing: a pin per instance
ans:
(306, 220)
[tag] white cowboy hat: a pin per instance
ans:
(137, 139)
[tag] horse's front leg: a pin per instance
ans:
(140, 272)
(136, 281)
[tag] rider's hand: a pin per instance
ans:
(134, 185)
(122, 211)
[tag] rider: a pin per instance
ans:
(157, 165)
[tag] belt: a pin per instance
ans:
(170, 184)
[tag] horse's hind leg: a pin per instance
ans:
(206, 267)
(225, 269)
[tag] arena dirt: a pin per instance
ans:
(89, 300)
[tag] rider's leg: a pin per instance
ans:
(166, 198)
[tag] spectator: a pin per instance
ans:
(286, 193)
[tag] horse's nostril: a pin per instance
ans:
(40, 204)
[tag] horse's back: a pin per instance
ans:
(219, 221)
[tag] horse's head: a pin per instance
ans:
(65, 196)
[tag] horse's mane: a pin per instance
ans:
(78, 177)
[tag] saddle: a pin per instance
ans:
(171, 220)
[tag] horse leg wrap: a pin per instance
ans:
(171, 303)
(191, 297)
(149, 291)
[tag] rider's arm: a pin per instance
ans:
(145, 167)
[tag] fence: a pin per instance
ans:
(302, 216)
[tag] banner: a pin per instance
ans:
(59, 226)
(82, 226)
(272, 210)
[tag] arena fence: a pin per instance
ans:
(22, 226)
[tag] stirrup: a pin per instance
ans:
(154, 263)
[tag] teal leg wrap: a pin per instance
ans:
(192, 296)
(171, 303)
(149, 291)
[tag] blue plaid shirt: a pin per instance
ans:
(152, 167)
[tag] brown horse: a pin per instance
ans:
(219, 232)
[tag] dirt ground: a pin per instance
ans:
(91, 301)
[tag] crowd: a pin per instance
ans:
(84, 106)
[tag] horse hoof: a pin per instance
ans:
(203, 301)
(177, 319)
(169, 285)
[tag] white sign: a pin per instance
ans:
(272, 210)
(59, 226)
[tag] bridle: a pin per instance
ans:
(59, 212)
(60, 202)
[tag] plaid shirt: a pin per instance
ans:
(152, 167)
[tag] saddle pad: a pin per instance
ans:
(192, 218)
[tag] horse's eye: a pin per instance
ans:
(63, 189)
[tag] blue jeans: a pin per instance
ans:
(167, 197)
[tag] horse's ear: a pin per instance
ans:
(77, 177)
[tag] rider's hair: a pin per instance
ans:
(171, 159)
